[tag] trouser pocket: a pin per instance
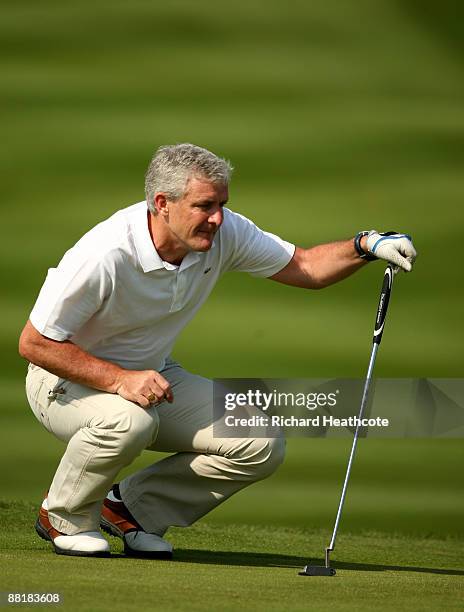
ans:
(42, 388)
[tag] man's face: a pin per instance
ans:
(194, 219)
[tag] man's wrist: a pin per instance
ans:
(360, 246)
(363, 244)
(115, 379)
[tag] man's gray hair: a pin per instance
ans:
(173, 165)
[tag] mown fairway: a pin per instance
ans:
(337, 117)
(236, 567)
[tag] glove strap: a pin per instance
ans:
(357, 245)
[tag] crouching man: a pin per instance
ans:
(99, 340)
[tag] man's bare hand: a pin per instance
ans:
(145, 387)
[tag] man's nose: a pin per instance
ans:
(216, 217)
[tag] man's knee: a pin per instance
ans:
(132, 430)
(258, 458)
(276, 455)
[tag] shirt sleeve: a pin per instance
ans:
(71, 294)
(253, 250)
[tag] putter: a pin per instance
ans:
(390, 271)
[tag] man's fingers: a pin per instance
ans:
(156, 394)
(146, 388)
(395, 248)
(165, 387)
(389, 253)
(400, 261)
(143, 401)
(160, 390)
(399, 252)
(405, 247)
(406, 265)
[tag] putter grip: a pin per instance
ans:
(383, 304)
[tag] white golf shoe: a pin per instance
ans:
(84, 544)
(139, 543)
(118, 521)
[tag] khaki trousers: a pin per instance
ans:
(104, 433)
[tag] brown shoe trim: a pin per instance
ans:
(118, 515)
(47, 526)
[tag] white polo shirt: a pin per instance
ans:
(114, 296)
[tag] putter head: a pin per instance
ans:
(317, 570)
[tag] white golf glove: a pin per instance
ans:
(394, 248)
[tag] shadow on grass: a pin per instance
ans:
(288, 561)
(249, 559)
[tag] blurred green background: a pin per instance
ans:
(338, 116)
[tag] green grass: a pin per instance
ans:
(240, 567)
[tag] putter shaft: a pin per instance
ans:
(367, 383)
(378, 331)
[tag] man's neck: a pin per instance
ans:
(167, 246)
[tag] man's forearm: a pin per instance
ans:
(329, 263)
(321, 266)
(69, 361)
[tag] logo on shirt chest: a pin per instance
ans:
(206, 271)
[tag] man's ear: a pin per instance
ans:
(161, 204)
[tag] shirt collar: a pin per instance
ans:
(146, 252)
